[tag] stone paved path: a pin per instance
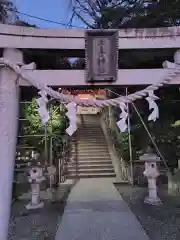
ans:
(96, 211)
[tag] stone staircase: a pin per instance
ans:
(90, 156)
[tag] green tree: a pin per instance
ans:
(8, 12)
(19, 22)
(31, 125)
(126, 13)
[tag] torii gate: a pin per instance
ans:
(14, 74)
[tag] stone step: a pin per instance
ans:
(90, 170)
(90, 153)
(87, 140)
(91, 144)
(90, 130)
(93, 162)
(92, 175)
(97, 158)
(89, 166)
(92, 126)
(121, 182)
(85, 124)
(95, 143)
(90, 147)
(89, 136)
(90, 121)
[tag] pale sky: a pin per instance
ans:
(55, 10)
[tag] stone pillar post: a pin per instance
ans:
(178, 163)
(110, 116)
(9, 105)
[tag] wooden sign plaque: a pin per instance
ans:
(101, 55)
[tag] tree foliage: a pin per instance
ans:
(31, 126)
(126, 13)
(8, 12)
(165, 131)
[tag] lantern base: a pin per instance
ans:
(31, 206)
(52, 194)
(153, 201)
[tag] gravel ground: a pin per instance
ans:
(35, 224)
(40, 224)
(160, 222)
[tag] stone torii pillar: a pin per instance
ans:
(9, 112)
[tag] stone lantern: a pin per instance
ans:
(151, 173)
(35, 179)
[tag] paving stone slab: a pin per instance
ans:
(96, 211)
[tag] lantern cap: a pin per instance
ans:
(149, 156)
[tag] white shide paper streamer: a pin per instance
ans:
(153, 106)
(71, 114)
(122, 123)
(42, 110)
